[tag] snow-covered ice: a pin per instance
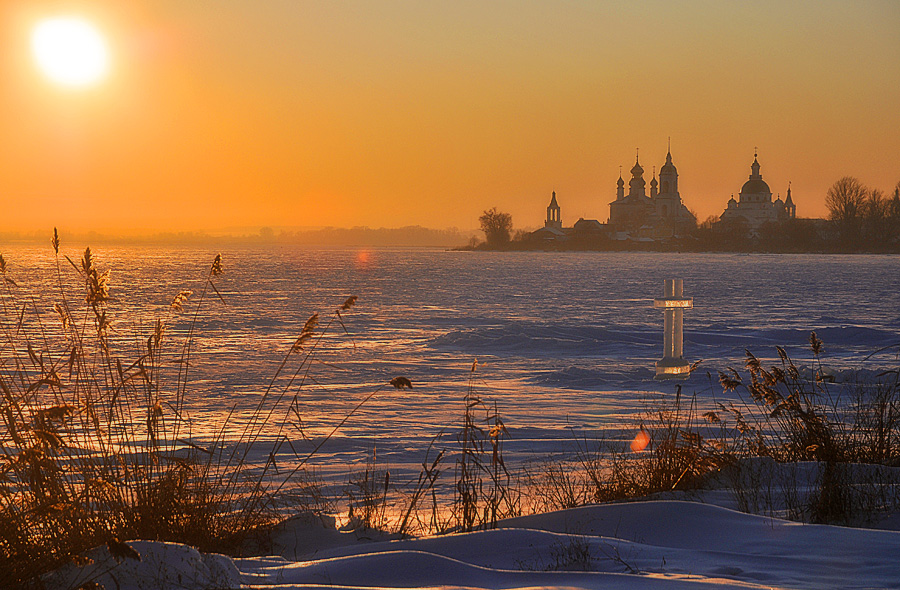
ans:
(567, 344)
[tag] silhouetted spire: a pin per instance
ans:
(620, 186)
(554, 219)
(754, 167)
(668, 175)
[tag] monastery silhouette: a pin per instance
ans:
(662, 214)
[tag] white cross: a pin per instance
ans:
(673, 305)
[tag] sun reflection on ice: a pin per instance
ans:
(363, 259)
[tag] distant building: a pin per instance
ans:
(553, 214)
(553, 230)
(635, 216)
(588, 227)
(755, 206)
(659, 215)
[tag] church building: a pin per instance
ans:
(553, 229)
(659, 214)
(755, 206)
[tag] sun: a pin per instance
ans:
(70, 51)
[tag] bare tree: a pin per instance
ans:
(846, 201)
(496, 227)
(709, 222)
(893, 215)
(893, 205)
(876, 224)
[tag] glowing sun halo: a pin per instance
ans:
(70, 51)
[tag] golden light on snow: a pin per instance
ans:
(70, 51)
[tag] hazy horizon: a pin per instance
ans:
(391, 115)
(359, 236)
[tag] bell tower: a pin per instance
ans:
(789, 206)
(554, 219)
(668, 175)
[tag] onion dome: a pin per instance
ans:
(636, 184)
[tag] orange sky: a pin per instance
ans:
(286, 113)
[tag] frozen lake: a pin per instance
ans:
(566, 342)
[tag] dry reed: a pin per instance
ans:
(96, 446)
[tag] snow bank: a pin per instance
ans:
(161, 565)
(654, 544)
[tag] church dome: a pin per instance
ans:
(668, 167)
(756, 186)
(637, 170)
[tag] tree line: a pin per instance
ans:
(863, 217)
